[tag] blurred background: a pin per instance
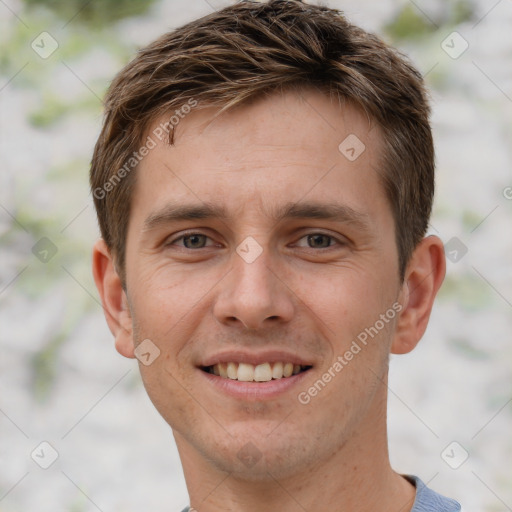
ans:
(63, 384)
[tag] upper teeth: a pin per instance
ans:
(259, 373)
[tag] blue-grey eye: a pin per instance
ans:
(196, 241)
(319, 241)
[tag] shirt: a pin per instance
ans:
(426, 500)
(429, 501)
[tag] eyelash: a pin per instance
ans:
(315, 233)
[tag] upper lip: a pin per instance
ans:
(255, 358)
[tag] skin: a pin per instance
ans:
(309, 296)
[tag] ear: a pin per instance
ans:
(113, 298)
(423, 278)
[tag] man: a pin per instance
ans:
(263, 182)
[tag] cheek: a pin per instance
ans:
(165, 314)
(164, 296)
(161, 313)
(351, 303)
(347, 299)
(168, 307)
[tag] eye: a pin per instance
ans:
(319, 241)
(191, 241)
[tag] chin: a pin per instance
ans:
(267, 467)
(254, 455)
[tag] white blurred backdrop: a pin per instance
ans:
(61, 380)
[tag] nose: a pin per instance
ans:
(253, 295)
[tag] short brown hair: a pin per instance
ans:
(253, 48)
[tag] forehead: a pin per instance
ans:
(280, 148)
(291, 119)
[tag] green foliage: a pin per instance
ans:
(50, 111)
(44, 368)
(471, 219)
(45, 362)
(462, 11)
(468, 290)
(95, 13)
(409, 24)
(467, 349)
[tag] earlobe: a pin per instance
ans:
(424, 276)
(113, 298)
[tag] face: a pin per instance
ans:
(255, 242)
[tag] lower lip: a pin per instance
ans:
(254, 391)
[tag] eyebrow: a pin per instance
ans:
(303, 210)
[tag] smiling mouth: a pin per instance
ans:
(255, 373)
